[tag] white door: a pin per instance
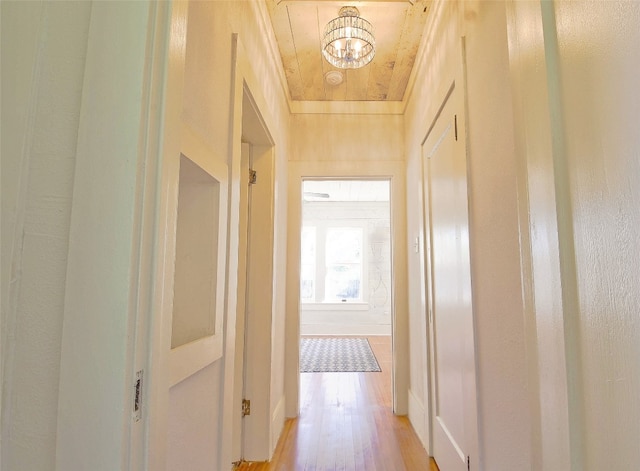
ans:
(451, 321)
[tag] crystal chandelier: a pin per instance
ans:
(348, 41)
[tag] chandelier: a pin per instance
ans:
(348, 41)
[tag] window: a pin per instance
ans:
(308, 265)
(332, 261)
(343, 264)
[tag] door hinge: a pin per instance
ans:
(253, 177)
(468, 463)
(455, 125)
(246, 407)
(137, 397)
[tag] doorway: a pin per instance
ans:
(254, 309)
(393, 173)
(345, 286)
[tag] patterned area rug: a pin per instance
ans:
(330, 354)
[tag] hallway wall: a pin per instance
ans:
(432, 80)
(75, 82)
(575, 67)
(345, 137)
(54, 209)
(38, 162)
(598, 69)
(552, 160)
(504, 443)
(199, 435)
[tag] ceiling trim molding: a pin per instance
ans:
(435, 12)
(347, 107)
(262, 14)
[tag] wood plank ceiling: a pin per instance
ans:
(398, 27)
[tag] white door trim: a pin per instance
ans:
(251, 121)
(395, 172)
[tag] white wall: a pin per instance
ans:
(103, 286)
(561, 395)
(41, 104)
(193, 417)
(54, 99)
(575, 67)
(433, 64)
(212, 107)
(194, 421)
(494, 244)
(416, 300)
(365, 138)
(493, 232)
(374, 317)
(542, 276)
(599, 66)
(81, 115)
(37, 183)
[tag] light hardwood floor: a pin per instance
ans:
(346, 423)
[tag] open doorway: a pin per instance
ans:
(346, 311)
(345, 283)
(254, 308)
(393, 173)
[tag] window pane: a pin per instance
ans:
(342, 282)
(308, 264)
(343, 264)
(307, 283)
(344, 245)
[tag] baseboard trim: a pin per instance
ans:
(418, 419)
(338, 330)
(277, 425)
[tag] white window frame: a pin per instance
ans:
(322, 225)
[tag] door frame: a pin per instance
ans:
(256, 310)
(457, 91)
(394, 171)
(251, 124)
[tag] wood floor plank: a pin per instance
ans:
(346, 423)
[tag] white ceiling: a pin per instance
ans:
(346, 190)
(398, 27)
